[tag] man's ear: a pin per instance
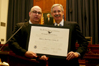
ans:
(29, 13)
(63, 12)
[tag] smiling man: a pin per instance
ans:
(57, 12)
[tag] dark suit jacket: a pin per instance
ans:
(75, 35)
(19, 43)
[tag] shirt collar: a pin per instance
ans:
(30, 22)
(62, 23)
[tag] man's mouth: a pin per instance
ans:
(57, 15)
(36, 18)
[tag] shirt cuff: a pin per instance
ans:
(78, 54)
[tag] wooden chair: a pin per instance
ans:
(89, 39)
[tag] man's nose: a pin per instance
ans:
(57, 13)
(37, 13)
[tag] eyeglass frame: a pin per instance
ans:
(35, 12)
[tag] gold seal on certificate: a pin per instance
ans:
(49, 40)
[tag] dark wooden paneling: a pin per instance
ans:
(44, 4)
(38, 2)
(47, 6)
(91, 57)
(15, 60)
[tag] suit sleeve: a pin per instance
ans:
(81, 41)
(15, 44)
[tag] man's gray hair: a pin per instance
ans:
(57, 5)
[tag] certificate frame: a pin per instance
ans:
(44, 41)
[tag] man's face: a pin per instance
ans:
(57, 13)
(48, 15)
(35, 15)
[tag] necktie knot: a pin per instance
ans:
(58, 25)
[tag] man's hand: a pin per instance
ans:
(30, 54)
(72, 55)
(44, 58)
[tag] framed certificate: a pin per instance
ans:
(49, 40)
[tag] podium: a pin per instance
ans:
(15, 60)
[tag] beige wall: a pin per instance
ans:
(0, 11)
(3, 18)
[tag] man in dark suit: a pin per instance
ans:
(48, 20)
(57, 12)
(19, 43)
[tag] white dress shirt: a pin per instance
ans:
(61, 23)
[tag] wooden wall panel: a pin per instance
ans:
(47, 5)
(44, 4)
(38, 3)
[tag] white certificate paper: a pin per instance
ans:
(49, 40)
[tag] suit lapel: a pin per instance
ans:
(27, 29)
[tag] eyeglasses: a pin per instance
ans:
(37, 12)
